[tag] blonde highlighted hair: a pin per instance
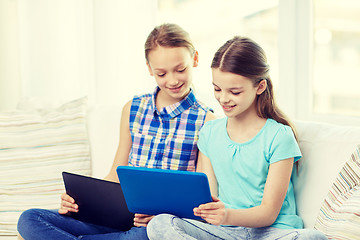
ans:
(168, 35)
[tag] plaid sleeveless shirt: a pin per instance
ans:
(165, 139)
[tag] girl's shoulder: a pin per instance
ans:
(142, 96)
(278, 130)
(195, 103)
(201, 105)
(273, 125)
(140, 103)
(143, 100)
(214, 125)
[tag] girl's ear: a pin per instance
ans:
(149, 68)
(261, 87)
(196, 59)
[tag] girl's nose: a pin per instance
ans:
(173, 81)
(223, 98)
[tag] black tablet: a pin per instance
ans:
(100, 202)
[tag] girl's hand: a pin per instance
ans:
(141, 220)
(214, 212)
(67, 204)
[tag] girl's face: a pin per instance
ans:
(172, 69)
(235, 93)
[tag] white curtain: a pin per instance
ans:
(63, 49)
(9, 59)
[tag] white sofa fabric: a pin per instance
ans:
(325, 149)
(36, 145)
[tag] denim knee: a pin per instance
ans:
(158, 225)
(26, 218)
(312, 234)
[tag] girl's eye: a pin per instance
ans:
(182, 70)
(236, 93)
(161, 74)
(217, 90)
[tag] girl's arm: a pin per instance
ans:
(204, 165)
(209, 116)
(123, 150)
(263, 215)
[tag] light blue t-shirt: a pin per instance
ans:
(241, 169)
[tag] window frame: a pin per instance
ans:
(295, 94)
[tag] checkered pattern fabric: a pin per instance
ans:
(165, 139)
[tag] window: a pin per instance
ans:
(336, 69)
(313, 48)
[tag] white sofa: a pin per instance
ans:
(325, 149)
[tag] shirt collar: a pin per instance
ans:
(175, 109)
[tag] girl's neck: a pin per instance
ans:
(243, 129)
(163, 100)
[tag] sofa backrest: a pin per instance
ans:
(104, 132)
(325, 149)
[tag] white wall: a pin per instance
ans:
(63, 49)
(9, 55)
(121, 28)
(60, 50)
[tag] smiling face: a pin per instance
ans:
(235, 93)
(172, 68)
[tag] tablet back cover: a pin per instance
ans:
(154, 191)
(100, 202)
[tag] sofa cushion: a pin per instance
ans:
(35, 147)
(325, 149)
(339, 215)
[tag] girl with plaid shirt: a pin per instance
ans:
(157, 130)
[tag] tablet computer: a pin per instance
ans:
(100, 202)
(154, 191)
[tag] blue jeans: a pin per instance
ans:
(166, 226)
(41, 224)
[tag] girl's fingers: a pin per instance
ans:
(215, 218)
(209, 206)
(67, 198)
(67, 204)
(213, 213)
(215, 199)
(139, 215)
(70, 206)
(63, 211)
(137, 224)
(142, 220)
(214, 221)
(210, 214)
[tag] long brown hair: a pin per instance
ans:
(168, 35)
(243, 56)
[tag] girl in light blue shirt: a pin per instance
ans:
(248, 156)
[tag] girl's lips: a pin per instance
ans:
(176, 89)
(227, 108)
